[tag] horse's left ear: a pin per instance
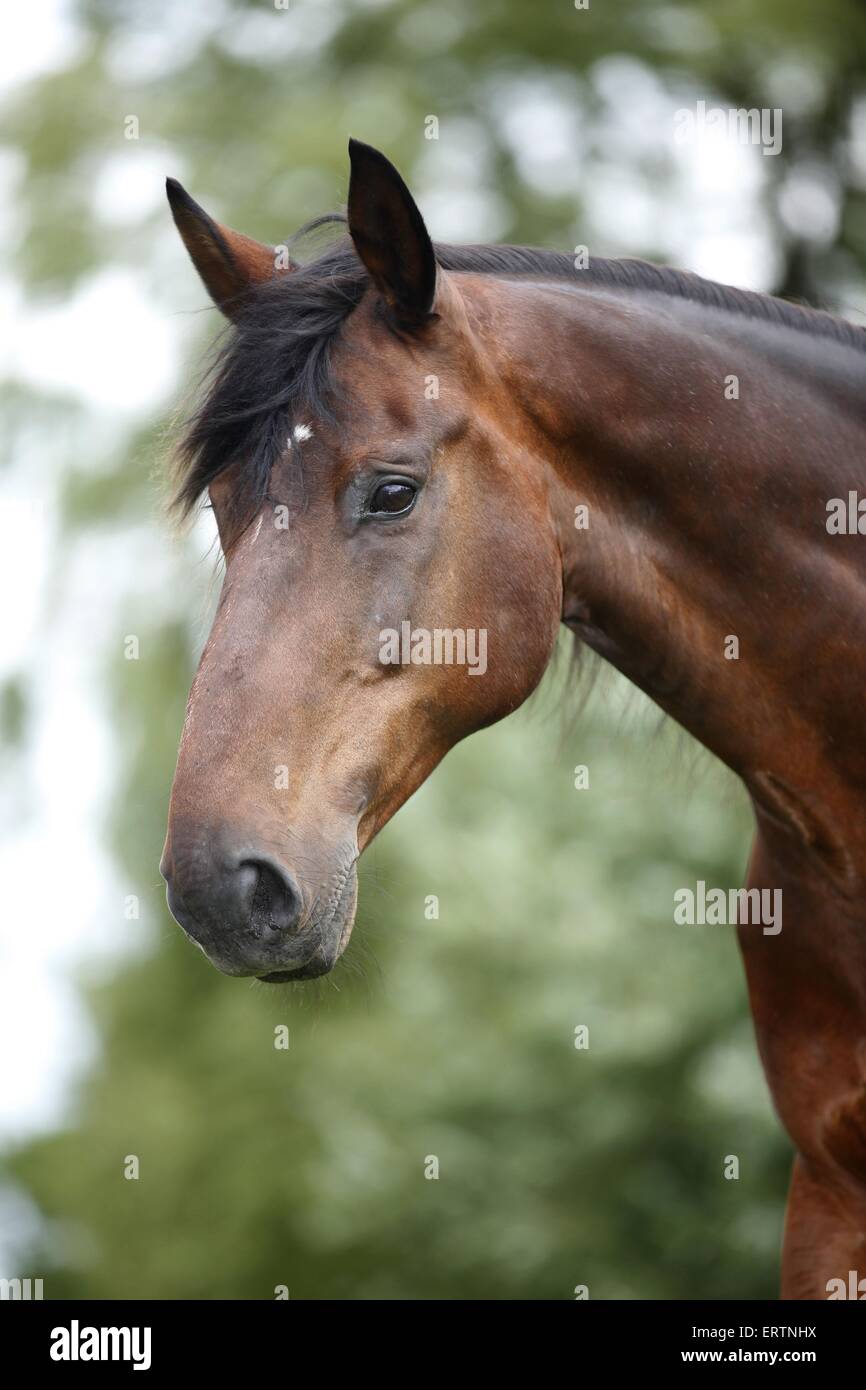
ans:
(390, 236)
(228, 262)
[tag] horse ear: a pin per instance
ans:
(390, 236)
(228, 262)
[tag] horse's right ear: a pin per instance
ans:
(390, 236)
(228, 262)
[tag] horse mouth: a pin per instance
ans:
(311, 971)
(332, 930)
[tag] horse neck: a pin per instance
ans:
(704, 446)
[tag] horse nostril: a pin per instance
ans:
(276, 899)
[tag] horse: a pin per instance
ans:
(400, 439)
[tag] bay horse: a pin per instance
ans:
(407, 439)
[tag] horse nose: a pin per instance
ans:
(243, 912)
(274, 897)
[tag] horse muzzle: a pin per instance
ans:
(249, 914)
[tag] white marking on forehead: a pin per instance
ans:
(302, 432)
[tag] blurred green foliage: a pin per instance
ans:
(455, 1037)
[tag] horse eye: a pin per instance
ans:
(392, 498)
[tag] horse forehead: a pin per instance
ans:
(378, 372)
(382, 395)
(314, 450)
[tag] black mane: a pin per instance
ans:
(273, 363)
